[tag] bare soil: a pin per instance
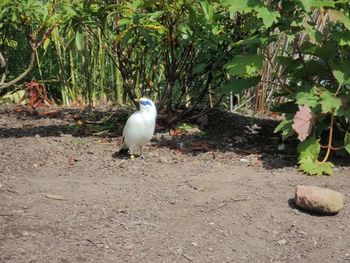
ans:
(67, 196)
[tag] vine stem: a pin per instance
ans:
(329, 145)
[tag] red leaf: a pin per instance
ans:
(303, 122)
(72, 160)
(176, 132)
(197, 146)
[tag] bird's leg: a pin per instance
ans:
(141, 153)
(131, 151)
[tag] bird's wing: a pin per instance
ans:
(134, 118)
(131, 126)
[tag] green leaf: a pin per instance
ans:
(328, 102)
(146, 36)
(286, 126)
(287, 107)
(307, 98)
(79, 39)
(199, 68)
(269, 17)
(285, 60)
(240, 5)
(238, 85)
(124, 21)
(126, 37)
(315, 168)
(309, 148)
(343, 38)
(325, 168)
(46, 43)
(308, 153)
(156, 15)
(249, 41)
(342, 72)
(347, 148)
(245, 65)
(325, 52)
(208, 10)
(314, 34)
(316, 68)
(347, 142)
(309, 4)
(343, 111)
(338, 16)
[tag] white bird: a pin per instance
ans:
(139, 128)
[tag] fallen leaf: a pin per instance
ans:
(106, 140)
(55, 197)
(72, 160)
(249, 151)
(196, 146)
(80, 123)
(303, 122)
(177, 132)
(160, 127)
(19, 109)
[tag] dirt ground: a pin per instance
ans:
(66, 197)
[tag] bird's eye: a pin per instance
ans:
(146, 102)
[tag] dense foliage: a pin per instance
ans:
(289, 55)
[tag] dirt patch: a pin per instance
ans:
(231, 204)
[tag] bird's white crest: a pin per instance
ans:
(139, 128)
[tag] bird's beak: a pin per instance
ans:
(137, 100)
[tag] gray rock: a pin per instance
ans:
(319, 199)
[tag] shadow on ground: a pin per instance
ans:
(247, 136)
(293, 205)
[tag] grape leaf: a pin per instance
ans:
(303, 121)
(336, 15)
(246, 65)
(268, 16)
(239, 85)
(329, 103)
(314, 168)
(238, 5)
(347, 142)
(309, 148)
(343, 38)
(308, 152)
(325, 51)
(342, 72)
(307, 99)
(309, 4)
(285, 126)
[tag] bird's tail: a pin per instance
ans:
(124, 149)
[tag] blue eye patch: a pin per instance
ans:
(145, 102)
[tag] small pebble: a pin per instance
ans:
(282, 242)
(281, 147)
